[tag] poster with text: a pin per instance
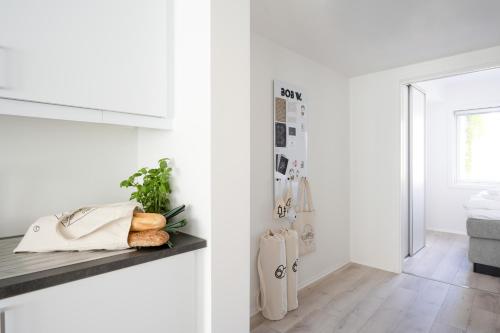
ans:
(290, 144)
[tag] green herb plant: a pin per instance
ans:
(152, 187)
(152, 190)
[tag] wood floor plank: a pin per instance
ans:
(457, 307)
(419, 317)
(364, 299)
(321, 294)
(434, 257)
(357, 318)
(316, 322)
(314, 301)
(443, 328)
(342, 304)
(388, 316)
(450, 264)
(433, 292)
(263, 328)
(445, 258)
(482, 321)
(487, 301)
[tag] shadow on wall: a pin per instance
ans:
(53, 165)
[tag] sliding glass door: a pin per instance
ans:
(416, 102)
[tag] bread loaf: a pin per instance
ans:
(147, 221)
(147, 238)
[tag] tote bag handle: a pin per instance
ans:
(305, 199)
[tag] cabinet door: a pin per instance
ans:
(96, 54)
(154, 297)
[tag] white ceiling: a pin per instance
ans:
(362, 36)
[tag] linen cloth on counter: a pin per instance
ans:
(101, 227)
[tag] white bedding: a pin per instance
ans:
(484, 214)
(484, 205)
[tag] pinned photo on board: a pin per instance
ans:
(282, 164)
(291, 112)
(280, 135)
(280, 109)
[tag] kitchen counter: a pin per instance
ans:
(26, 272)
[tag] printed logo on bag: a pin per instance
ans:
(281, 210)
(68, 219)
(307, 235)
(295, 265)
(280, 272)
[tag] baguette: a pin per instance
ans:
(147, 238)
(147, 221)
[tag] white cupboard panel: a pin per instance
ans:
(158, 296)
(97, 54)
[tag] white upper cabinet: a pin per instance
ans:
(103, 60)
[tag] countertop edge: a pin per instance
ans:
(22, 284)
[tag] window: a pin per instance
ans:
(478, 146)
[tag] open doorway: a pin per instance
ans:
(453, 139)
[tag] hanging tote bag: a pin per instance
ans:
(280, 209)
(304, 224)
(104, 227)
(284, 206)
(292, 264)
(271, 265)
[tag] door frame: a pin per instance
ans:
(404, 148)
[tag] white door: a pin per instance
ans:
(416, 102)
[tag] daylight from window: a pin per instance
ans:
(478, 153)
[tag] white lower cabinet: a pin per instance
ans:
(157, 296)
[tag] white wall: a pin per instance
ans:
(211, 172)
(444, 200)
(376, 154)
(48, 166)
(188, 144)
(230, 171)
(327, 94)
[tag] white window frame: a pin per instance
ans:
(455, 167)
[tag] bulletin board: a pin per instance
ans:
(290, 142)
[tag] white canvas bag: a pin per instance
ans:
(271, 265)
(284, 205)
(103, 227)
(304, 224)
(292, 262)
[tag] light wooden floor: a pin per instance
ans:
(445, 259)
(363, 299)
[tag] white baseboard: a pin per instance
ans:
(456, 232)
(321, 275)
(394, 268)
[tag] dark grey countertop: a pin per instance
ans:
(22, 273)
